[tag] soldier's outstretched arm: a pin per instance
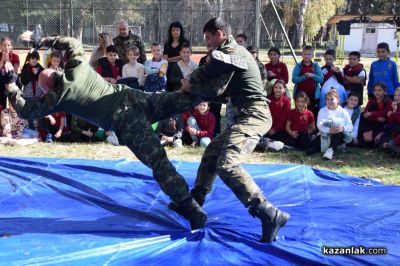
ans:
(72, 47)
(31, 108)
(202, 85)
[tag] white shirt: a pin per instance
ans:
(339, 115)
(134, 71)
(188, 68)
(356, 124)
(153, 67)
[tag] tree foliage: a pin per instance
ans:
(318, 13)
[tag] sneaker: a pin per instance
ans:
(194, 144)
(163, 142)
(342, 147)
(112, 139)
(49, 138)
(276, 145)
(328, 155)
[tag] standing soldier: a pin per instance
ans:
(126, 40)
(252, 120)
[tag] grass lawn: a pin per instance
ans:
(355, 162)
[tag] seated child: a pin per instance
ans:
(156, 70)
(15, 131)
(391, 139)
(183, 68)
(353, 109)
(335, 127)
(110, 67)
(199, 125)
(53, 127)
(280, 108)
(170, 131)
(300, 124)
(55, 61)
(83, 131)
(374, 116)
(133, 69)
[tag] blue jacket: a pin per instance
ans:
(386, 71)
(318, 78)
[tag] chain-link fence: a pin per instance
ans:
(84, 19)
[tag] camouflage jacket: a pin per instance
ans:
(231, 71)
(79, 90)
(13, 126)
(123, 43)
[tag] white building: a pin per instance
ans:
(364, 37)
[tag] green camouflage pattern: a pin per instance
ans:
(225, 154)
(123, 44)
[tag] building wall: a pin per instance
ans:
(385, 33)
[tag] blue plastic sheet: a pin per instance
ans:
(86, 212)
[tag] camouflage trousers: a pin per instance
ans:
(132, 124)
(225, 154)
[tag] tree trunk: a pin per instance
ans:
(299, 15)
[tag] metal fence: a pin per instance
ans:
(84, 19)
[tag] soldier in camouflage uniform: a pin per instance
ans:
(82, 92)
(126, 40)
(252, 120)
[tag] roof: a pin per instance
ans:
(337, 18)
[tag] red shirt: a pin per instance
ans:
(206, 123)
(280, 70)
(299, 121)
(58, 117)
(114, 69)
(394, 119)
(380, 109)
(280, 109)
(13, 57)
(309, 85)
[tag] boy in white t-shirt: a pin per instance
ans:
(133, 69)
(156, 70)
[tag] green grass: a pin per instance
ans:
(354, 162)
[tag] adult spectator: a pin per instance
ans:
(104, 40)
(172, 48)
(127, 39)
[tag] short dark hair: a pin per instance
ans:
(185, 45)
(383, 45)
(381, 84)
(330, 52)
(215, 24)
(308, 47)
(33, 54)
(155, 44)
(242, 35)
(252, 49)
(275, 50)
(111, 49)
(355, 53)
(354, 95)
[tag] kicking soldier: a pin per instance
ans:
(252, 120)
(82, 92)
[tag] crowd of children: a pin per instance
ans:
(328, 111)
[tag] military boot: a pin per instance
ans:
(192, 211)
(272, 219)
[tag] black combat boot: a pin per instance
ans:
(198, 194)
(272, 219)
(192, 211)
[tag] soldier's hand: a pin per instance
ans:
(27, 36)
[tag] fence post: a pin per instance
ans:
(257, 22)
(71, 30)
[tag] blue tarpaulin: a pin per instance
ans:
(89, 212)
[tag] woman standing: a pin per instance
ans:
(100, 51)
(176, 38)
